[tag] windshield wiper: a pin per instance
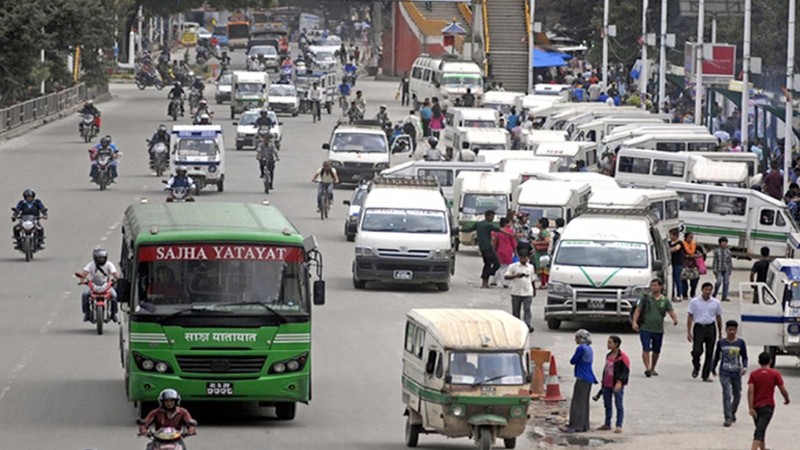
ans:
(211, 307)
(171, 315)
(489, 379)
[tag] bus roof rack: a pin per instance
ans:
(405, 181)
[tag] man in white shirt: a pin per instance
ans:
(315, 95)
(521, 280)
(100, 267)
(703, 322)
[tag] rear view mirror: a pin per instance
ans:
(346, 202)
(123, 290)
(658, 266)
(319, 292)
(234, 123)
(326, 146)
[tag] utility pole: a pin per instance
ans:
(605, 46)
(643, 75)
(698, 65)
(662, 58)
(789, 118)
(531, 35)
(745, 108)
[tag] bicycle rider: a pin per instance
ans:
(327, 177)
(344, 94)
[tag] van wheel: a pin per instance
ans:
(553, 324)
(239, 147)
(510, 443)
(412, 434)
(359, 284)
(443, 287)
(485, 438)
(220, 186)
(773, 353)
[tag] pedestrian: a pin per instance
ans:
(616, 372)
(584, 379)
(703, 321)
(541, 245)
(425, 114)
(483, 230)
(652, 308)
(758, 273)
(403, 89)
(731, 356)
(690, 273)
(676, 257)
(522, 231)
(761, 397)
(722, 267)
(505, 245)
(773, 182)
(468, 99)
(522, 280)
(413, 128)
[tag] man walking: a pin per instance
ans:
(522, 282)
(403, 88)
(731, 356)
(758, 273)
(483, 230)
(652, 308)
(761, 398)
(703, 321)
(722, 267)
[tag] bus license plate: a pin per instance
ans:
(219, 389)
(403, 274)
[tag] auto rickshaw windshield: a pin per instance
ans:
(486, 368)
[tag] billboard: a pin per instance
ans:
(719, 62)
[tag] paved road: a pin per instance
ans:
(61, 385)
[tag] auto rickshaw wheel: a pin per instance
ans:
(412, 433)
(485, 438)
(510, 443)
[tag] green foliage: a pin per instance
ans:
(20, 33)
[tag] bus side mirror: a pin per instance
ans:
(123, 290)
(431, 364)
(319, 292)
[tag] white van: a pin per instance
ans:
(674, 142)
(747, 158)
(748, 218)
(605, 259)
(655, 169)
(536, 105)
(597, 181)
(611, 142)
(445, 172)
(597, 129)
(457, 119)
(249, 90)
(531, 139)
(474, 193)
(357, 151)
(561, 91)
(201, 149)
(524, 169)
(569, 153)
(502, 101)
(559, 117)
(497, 156)
(479, 139)
(551, 199)
(448, 79)
(404, 234)
(572, 124)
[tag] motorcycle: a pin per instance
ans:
(144, 79)
(174, 108)
(202, 55)
(160, 160)
(88, 127)
(99, 297)
(179, 194)
(28, 242)
(350, 78)
(166, 438)
(103, 176)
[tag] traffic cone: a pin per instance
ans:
(539, 358)
(553, 390)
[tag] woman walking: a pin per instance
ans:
(505, 245)
(584, 379)
(541, 245)
(690, 275)
(615, 377)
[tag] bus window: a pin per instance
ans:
(591, 158)
(727, 204)
(443, 176)
(426, 75)
(630, 164)
(410, 330)
(658, 210)
(780, 221)
(671, 209)
(666, 168)
(692, 202)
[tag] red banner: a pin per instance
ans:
(220, 252)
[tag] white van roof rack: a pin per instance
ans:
(405, 181)
(638, 212)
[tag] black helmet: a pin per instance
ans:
(169, 394)
(432, 141)
(100, 256)
(29, 193)
(263, 112)
(162, 128)
(105, 141)
(177, 84)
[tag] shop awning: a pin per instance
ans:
(543, 58)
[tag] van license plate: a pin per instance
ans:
(403, 274)
(219, 389)
(595, 304)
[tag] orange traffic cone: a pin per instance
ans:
(539, 358)
(553, 390)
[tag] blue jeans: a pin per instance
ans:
(677, 283)
(608, 394)
(327, 187)
(731, 394)
(723, 278)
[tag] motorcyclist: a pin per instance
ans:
(354, 113)
(104, 148)
(382, 116)
(267, 154)
(99, 267)
(29, 206)
(264, 120)
(203, 119)
(433, 153)
(176, 92)
(350, 70)
(224, 63)
(198, 85)
(161, 135)
(89, 108)
(315, 94)
(168, 415)
(181, 179)
(344, 93)
(327, 177)
(202, 108)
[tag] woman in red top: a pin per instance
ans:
(615, 376)
(505, 246)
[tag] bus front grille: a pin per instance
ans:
(221, 364)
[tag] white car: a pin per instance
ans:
(246, 129)
(283, 98)
(223, 93)
(203, 33)
(269, 53)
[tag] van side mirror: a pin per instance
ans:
(123, 290)
(448, 378)
(326, 146)
(234, 123)
(431, 364)
(346, 202)
(319, 292)
(528, 378)
(658, 266)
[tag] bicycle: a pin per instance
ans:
(325, 200)
(344, 104)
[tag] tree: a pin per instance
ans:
(20, 32)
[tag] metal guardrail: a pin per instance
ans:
(46, 105)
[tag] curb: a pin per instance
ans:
(23, 129)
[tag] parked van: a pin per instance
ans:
(479, 139)
(597, 181)
(655, 169)
(597, 129)
(524, 169)
(358, 151)
(605, 259)
(747, 158)
(533, 138)
(497, 156)
(551, 199)
(404, 234)
(536, 105)
(569, 153)
(685, 142)
(474, 193)
(558, 119)
(201, 149)
(249, 90)
(448, 79)
(611, 142)
(502, 101)
(562, 91)
(460, 119)
(572, 124)
(748, 218)
(445, 172)
(466, 374)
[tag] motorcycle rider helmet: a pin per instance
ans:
(177, 84)
(432, 141)
(169, 394)
(162, 128)
(29, 193)
(203, 103)
(100, 256)
(181, 171)
(105, 141)
(382, 107)
(197, 79)
(264, 112)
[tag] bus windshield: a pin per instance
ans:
(617, 254)
(480, 123)
(238, 30)
(461, 79)
(226, 278)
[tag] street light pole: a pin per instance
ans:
(745, 108)
(643, 75)
(662, 58)
(531, 35)
(698, 65)
(605, 46)
(789, 118)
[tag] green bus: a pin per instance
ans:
(216, 303)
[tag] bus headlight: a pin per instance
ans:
(147, 364)
(212, 168)
(295, 364)
(162, 367)
(458, 410)
(381, 166)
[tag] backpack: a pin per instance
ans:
(643, 300)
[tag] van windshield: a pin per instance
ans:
(197, 147)
(249, 89)
(461, 79)
(486, 368)
(479, 123)
(617, 254)
(537, 212)
(404, 221)
(359, 142)
(480, 203)
(503, 108)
